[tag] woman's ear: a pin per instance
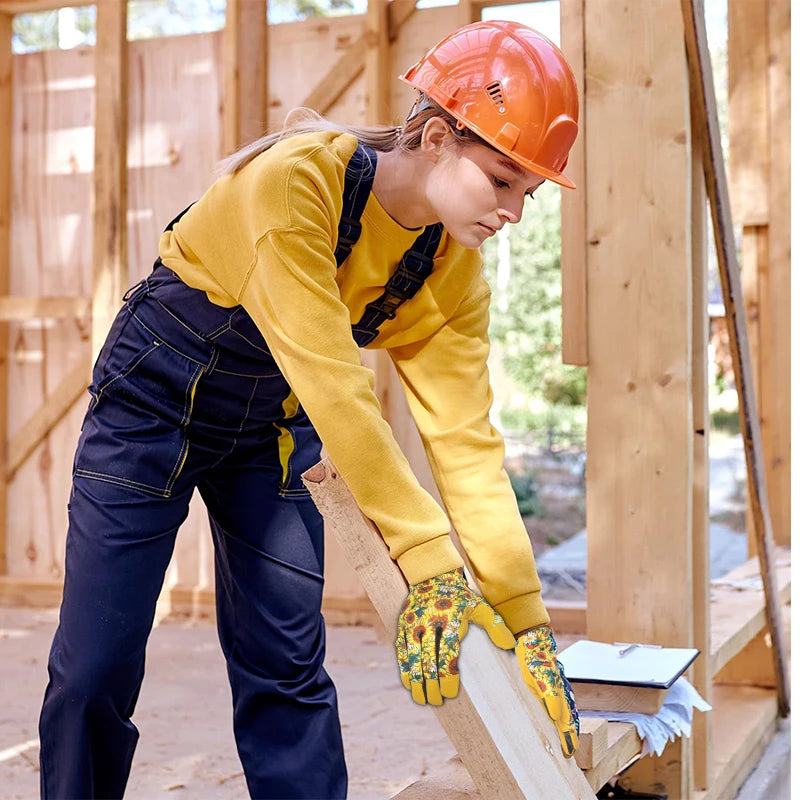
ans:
(435, 137)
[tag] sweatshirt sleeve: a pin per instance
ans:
(292, 295)
(446, 381)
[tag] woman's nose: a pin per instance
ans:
(511, 212)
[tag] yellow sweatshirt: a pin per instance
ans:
(265, 238)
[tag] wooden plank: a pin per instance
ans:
(744, 723)
(700, 674)
(624, 745)
(29, 592)
(639, 472)
(244, 45)
(567, 617)
(6, 129)
(748, 111)
(376, 62)
(19, 309)
(574, 343)
(592, 743)
(399, 12)
(46, 418)
(328, 90)
(702, 87)
(755, 266)
(499, 730)
(776, 367)
(34, 6)
(738, 609)
(110, 167)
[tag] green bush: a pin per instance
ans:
(526, 491)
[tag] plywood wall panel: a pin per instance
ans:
(52, 145)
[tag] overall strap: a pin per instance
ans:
(358, 179)
(415, 265)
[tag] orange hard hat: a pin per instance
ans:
(510, 85)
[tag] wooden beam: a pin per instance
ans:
(574, 344)
(46, 418)
(328, 90)
(776, 313)
(639, 471)
(500, 731)
(110, 241)
(376, 63)
(245, 58)
(702, 87)
(14, 308)
(748, 110)
(624, 745)
(34, 6)
(700, 673)
(399, 12)
(6, 128)
(738, 608)
(744, 718)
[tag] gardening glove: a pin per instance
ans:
(432, 624)
(544, 676)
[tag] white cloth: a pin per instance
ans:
(674, 718)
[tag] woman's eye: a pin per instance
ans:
(529, 195)
(499, 183)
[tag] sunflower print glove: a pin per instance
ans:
(432, 624)
(544, 676)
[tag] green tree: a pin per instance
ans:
(526, 314)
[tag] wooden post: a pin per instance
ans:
(700, 674)
(507, 744)
(702, 89)
(775, 348)
(639, 434)
(376, 63)
(6, 75)
(110, 243)
(245, 65)
(574, 347)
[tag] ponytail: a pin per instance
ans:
(381, 138)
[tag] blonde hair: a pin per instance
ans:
(383, 138)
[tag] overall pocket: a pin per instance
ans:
(134, 433)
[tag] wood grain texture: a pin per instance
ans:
(639, 435)
(51, 257)
(700, 673)
(245, 72)
(592, 743)
(738, 610)
(500, 732)
(776, 368)
(639, 439)
(701, 86)
(574, 344)
(110, 167)
(376, 62)
(6, 132)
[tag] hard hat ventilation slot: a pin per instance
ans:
(495, 92)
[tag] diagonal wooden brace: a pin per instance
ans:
(501, 733)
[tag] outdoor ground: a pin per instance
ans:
(186, 748)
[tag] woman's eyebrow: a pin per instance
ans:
(509, 164)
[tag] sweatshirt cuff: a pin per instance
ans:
(523, 611)
(430, 558)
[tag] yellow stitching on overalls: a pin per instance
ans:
(286, 443)
(176, 470)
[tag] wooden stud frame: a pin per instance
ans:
(110, 167)
(245, 65)
(6, 66)
(385, 21)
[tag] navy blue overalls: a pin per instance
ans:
(186, 395)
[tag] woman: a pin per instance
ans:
(231, 363)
